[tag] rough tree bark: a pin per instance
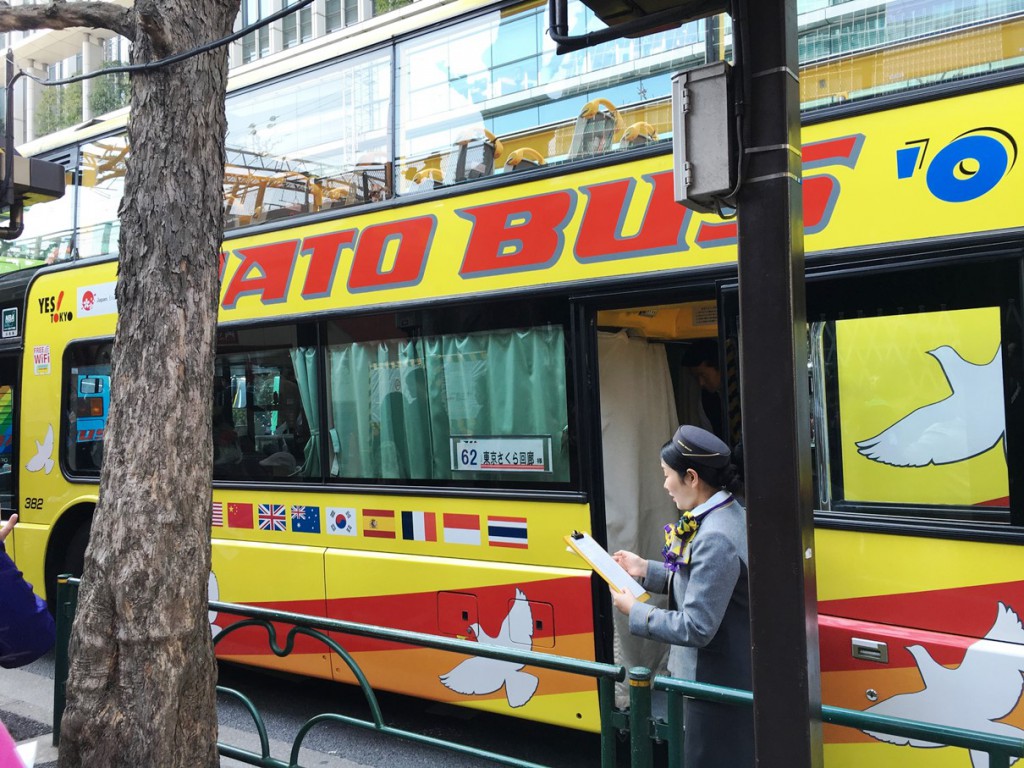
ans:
(141, 686)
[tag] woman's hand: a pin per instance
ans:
(7, 527)
(632, 564)
(623, 601)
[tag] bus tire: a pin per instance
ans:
(68, 556)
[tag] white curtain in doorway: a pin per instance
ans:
(638, 414)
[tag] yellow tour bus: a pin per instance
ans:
(457, 297)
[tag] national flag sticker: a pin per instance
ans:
(419, 526)
(239, 515)
(341, 521)
(217, 514)
(506, 532)
(461, 529)
(305, 519)
(379, 523)
(271, 517)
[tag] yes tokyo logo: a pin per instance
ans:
(964, 168)
(55, 307)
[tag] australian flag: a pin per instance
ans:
(305, 519)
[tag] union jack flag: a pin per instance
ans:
(271, 517)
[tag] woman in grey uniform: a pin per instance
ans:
(704, 572)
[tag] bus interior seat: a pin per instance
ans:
(595, 129)
(639, 134)
(426, 179)
(369, 182)
(524, 159)
(473, 156)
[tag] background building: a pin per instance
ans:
(57, 54)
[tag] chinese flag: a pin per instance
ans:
(239, 515)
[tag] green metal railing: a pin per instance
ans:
(637, 721)
(606, 676)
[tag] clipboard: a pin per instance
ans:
(604, 565)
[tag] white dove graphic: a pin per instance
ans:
(966, 424)
(44, 450)
(985, 688)
(213, 593)
(477, 676)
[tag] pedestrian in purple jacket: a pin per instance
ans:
(26, 627)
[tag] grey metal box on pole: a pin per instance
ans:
(704, 137)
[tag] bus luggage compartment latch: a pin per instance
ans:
(870, 650)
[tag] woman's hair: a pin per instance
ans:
(727, 476)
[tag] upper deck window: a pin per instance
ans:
(497, 77)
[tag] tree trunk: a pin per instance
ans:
(141, 685)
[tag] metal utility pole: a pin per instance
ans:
(774, 387)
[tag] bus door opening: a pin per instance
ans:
(659, 366)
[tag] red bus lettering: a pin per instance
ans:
(265, 271)
(662, 230)
(324, 252)
(516, 235)
(844, 150)
(406, 243)
(820, 195)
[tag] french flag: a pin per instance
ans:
(419, 526)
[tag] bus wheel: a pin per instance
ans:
(71, 560)
(74, 553)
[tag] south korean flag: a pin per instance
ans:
(342, 521)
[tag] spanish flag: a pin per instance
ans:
(379, 523)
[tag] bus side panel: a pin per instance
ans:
(521, 607)
(56, 316)
(922, 628)
(489, 570)
(284, 578)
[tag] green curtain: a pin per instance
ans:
(396, 404)
(304, 362)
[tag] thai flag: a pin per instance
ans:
(507, 532)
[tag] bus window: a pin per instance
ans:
(498, 74)
(486, 407)
(308, 143)
(265, 399)
(99, 188)
(87, 395)
(47, 236)
(909, 412)
(7, 474)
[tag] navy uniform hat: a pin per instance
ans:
(698, 446)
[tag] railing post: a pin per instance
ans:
(606, 704)
(640, 751)
(67, 605)
(676, 730)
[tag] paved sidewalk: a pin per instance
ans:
(26, 709)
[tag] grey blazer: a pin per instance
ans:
(707, 623)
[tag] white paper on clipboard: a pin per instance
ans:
(605, 566)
